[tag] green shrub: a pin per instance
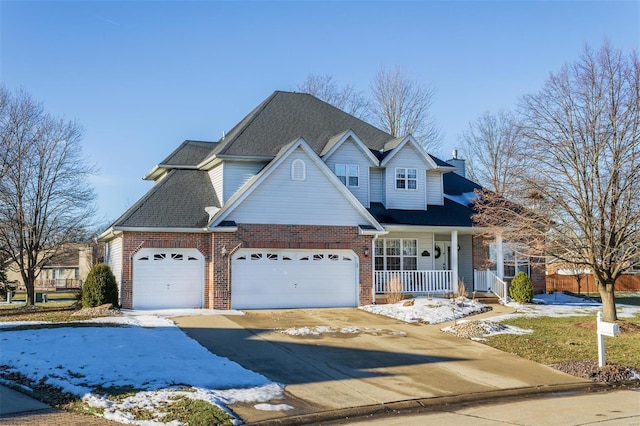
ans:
(100, 287)
(521, 289)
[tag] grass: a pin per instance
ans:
(556, 340)
(196, 413)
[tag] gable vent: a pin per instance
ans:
(298, 170)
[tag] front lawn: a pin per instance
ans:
(556, 340)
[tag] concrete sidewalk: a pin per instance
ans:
(18, 409)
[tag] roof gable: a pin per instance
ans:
(335, 143)
(264, 199)
(408, 140)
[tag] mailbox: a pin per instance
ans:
(608, 329)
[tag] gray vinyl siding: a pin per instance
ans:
(376, 185)
(236, 174)
(425, 242)
(406, 199)
(348, 153)
(281, 200)
(434, 188)
(113, 258)
(216, 174)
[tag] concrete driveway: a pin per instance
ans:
(385, 362)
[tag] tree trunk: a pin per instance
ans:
(608, 301)
(30, 284)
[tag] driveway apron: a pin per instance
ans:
(367, 359)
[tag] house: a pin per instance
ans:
(299, 205)
(66, 268)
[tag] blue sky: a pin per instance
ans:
(142, 76)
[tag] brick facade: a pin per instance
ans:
(134, 241)
(481, 261)
(286, 237)
(218, 273)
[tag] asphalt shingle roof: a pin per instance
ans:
(286, 116)
(178, 200)
(450, 214)
(454, 184)
(189, 153)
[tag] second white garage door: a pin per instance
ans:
(168, 278)
(263, 279)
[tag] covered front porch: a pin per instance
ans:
(424, 262)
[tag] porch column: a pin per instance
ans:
(454, 260)
(499, 257)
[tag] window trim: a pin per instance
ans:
(384, 256)
(406, 179)
(347, 175)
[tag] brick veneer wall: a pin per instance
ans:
(134, 241)
(481, 262)
(284, 237)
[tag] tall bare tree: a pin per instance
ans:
(45, 198)
(347, 98)
(494, 153)
(401, 105)
(582, 131)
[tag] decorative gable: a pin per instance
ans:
(277, 195)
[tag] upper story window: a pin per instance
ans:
(348, 174)
(298, 170)
(406, 178)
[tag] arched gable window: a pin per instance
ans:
(298, 170)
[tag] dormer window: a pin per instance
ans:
(406, 178)
(348, 174)
(298, 170)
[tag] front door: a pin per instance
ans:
(443, 255)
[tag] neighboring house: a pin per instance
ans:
(299, 205)
(66, 269)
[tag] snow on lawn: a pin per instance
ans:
(318, 330)
(145, 352)
(428, 310)
(563, 305)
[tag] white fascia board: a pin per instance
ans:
(154, 173)
(287, 150)
(109, 235)
(436, 229)
(372, 232)
(210, 162)
(224, 229)
(416, 145)
(151, 229)
(361, 146)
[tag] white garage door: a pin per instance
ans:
(168, 278)
(264, 278)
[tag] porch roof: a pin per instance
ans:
(449, 214)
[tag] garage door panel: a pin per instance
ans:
(284, 279)
(168, 278)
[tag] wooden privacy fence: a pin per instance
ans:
(557, 282)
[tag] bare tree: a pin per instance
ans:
(401, 105)
(347, 98)
(494, 153)
(45, 198)
(582, 131)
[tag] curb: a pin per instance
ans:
(439, 403)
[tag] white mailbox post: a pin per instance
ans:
(604, 329)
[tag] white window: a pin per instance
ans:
(514, 261)
(392, 254)
(406, 179)
(348, 174)
(298, 170)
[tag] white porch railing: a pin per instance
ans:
(490, 282)
(413, 282)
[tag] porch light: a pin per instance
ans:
(223, 251)
(426, 253)
(366, 252)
